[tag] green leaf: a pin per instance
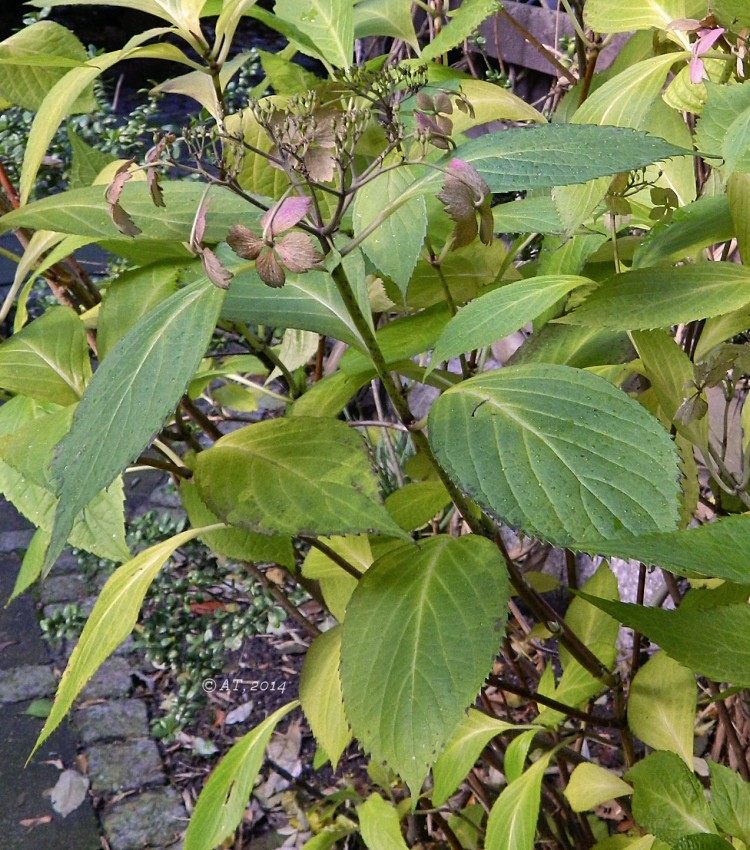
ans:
(336, 584)
(254, 172)
(464, 21)
(32, 263)
(113, 618)
(658, 298)
(569, 254)
(379, 825)
(513, 818)
(416, 503)
(625, 99)
(285, 76)
(39, 708)
(738, 196)
(131, 393)
(564, 454)
(297, 348)
(225, 796)
(723, 125)
(710, 641)
(130, 297)
(702, 841)
(87, 161)
(537, 214)
(235, 543)
(501, 312)
(472, 736)
(518, 749)
(402, 338)
(491, 102)
(713, 550)
(30, 434)
(48, 359)
(526, 158)
(420, 633)
(230, 14)
(31, 566)
(574, 345)
(577, 204)
(670, 373)
(294, 476)
(321, 697)
(60, 101)
(396, 244)
(591, 785)
(327, 398)
(235, 365)
(199, 85)
(28, 84)
(385, 17)
(731, 13)
(668, 800)
(308, 301)
(85, 212)
(730, 801)
(690, 229)
(603, 16)
(328, 24)
(661, 706)
(465, 272)
(599, 633)
(183, 13)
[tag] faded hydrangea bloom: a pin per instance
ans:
(465, 194)
(308, 140)
(294, 251)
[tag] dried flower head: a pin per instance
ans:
(294, 251)
(304, 135)
(465, 194)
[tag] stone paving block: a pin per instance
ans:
(22, 683)
(65, 648)
(21, 643)
(85, 605)
(24, 790)
(155, 819)
(67, 563)
(117, 718)
(11, 520)
(111, 680)
(11, 541)
(65, 588)
(124, 767)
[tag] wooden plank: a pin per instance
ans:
(505, 41)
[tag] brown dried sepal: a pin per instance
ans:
(465, 194)
(244, 242)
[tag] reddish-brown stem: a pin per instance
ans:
(200, 418)
(594, 719)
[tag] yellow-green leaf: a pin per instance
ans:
(661, 706)
(591, 785)
(379, 825)
(48, 359)
(321, 697)
(225, 796)
(113, 618)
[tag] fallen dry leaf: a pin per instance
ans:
(69, 792)
(32, 822)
